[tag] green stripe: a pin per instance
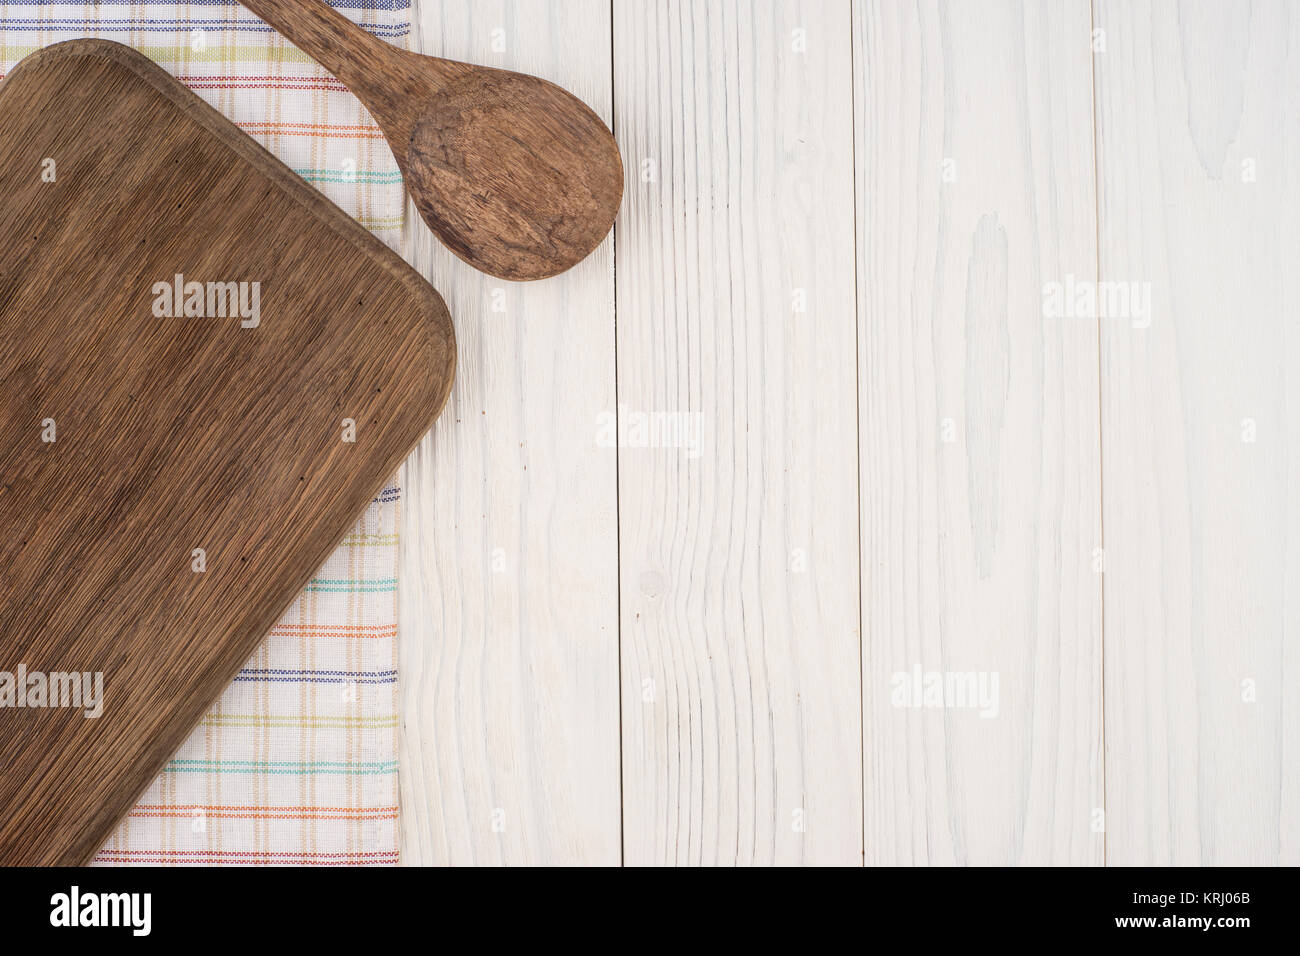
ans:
(357, 590)
(377, 586)
(362, 540)
(376, 223)
(340, 176)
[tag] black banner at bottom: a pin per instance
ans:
(264, 906)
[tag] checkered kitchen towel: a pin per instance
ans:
(297, 762)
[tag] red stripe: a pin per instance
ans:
(263, 857)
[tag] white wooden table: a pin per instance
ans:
(870, 431)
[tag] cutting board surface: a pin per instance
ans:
(169, 481)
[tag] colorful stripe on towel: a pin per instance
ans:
(296, 764)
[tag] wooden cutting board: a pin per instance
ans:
(169, 479)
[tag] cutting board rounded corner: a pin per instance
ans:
(429, 308)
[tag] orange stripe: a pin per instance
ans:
(324, 127)
(268, 813)
(313, 129)
(335, 630)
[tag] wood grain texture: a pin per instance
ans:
(509, 592)
(515, 175)
(979, 436)
(738, 538)
(1198, 119)
(980, 423)
(170, 434)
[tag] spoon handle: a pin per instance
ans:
(364, 63)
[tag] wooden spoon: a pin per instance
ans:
(515, 175)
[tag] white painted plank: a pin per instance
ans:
(1198, 134)
(509, 594)
(739, 565)
(979, 433)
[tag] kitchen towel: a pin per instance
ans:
(296, 763)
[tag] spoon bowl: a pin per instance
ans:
(519, 193)
(515, 175)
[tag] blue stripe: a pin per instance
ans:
(170, 26)
(281, 766)
(387, 6)
(272, 670)
(312, 680)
